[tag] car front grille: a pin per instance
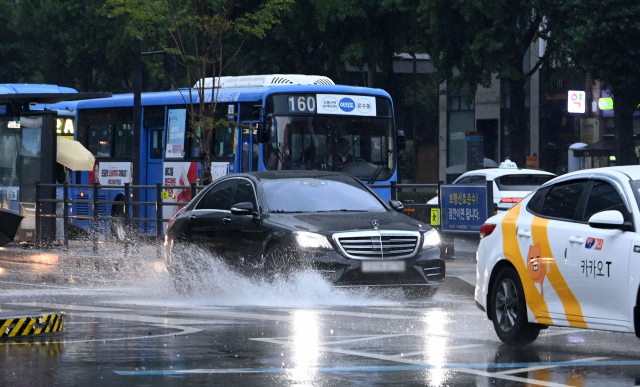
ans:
(378, 244)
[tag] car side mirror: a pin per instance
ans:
(610, 220)
(244, 208)
(401, 140)
(396, 205)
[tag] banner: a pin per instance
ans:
(114, 173)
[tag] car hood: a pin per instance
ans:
(328, 223)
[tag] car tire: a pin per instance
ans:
(279, 261)
(419, 293)
(509, 310)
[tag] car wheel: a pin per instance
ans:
(279, 261)
(509, 310)
(419, 293)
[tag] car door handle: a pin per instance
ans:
(226, 220)
(576, 239)
(193, 217)
(524, 233)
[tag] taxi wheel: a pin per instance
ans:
(509, 310)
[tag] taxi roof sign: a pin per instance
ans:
(508, 164)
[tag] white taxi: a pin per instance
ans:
(566, 255)
(510, 184)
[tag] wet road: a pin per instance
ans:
(126, 326)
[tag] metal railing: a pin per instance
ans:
(127, 203)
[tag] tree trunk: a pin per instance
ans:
(626, 102)
(517, 123)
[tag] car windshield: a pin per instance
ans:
(321, 194)
(521, 182)
(359, 146)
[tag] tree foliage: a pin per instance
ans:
(600, 38)
(203, 37)
(472, 41)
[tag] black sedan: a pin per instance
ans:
(283, 221)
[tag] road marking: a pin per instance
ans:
(452, 348)
(367, 338)
(542, 367)
(356, 314)
(70, 306)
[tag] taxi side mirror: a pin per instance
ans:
(610, 220)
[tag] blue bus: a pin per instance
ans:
(305, 122)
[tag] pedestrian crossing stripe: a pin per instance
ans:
(25, 326)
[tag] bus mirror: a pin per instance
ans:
(263, 129)
(401, 140)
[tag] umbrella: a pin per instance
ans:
(9, 223)
(74, 156)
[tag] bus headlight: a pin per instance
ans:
(309, 240)
(431, 238)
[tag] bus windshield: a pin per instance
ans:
(360, 146)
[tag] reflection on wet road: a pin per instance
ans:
(131, 328)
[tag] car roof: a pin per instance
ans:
(276, 175)
(632, 172)
(497, 172)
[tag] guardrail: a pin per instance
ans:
(127, 202)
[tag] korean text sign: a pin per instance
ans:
(464, 207)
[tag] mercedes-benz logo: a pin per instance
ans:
(375, 224)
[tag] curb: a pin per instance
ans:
(30, 326)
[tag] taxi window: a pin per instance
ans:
(603, 197)
(218, 197)
(562, 200)
(536, 201)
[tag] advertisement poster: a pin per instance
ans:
(176, 133)
(221, 169)
(112, 173)
(177, 174)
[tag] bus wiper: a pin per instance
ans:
(378, 170)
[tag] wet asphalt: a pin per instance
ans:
(126, 326)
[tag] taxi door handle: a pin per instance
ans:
(524, 233)
(575, 239)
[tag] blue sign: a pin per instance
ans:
(464, 207)
(347, 104)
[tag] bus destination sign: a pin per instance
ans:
(354, 105)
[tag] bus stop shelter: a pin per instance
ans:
(28, 149)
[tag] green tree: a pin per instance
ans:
(599, 38)
(472, 41)
(203, 37)
(68, 43)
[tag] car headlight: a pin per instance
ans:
(431, 238)
(309, 240)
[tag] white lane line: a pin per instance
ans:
(41, 285)
(160, 320)
(560, 332)
(452, 348)
(70, 306)
(418, 362)
(376, 337)
(356, 314)
(425, 310)
(542, 367)
(460, 278)
(183, 331)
